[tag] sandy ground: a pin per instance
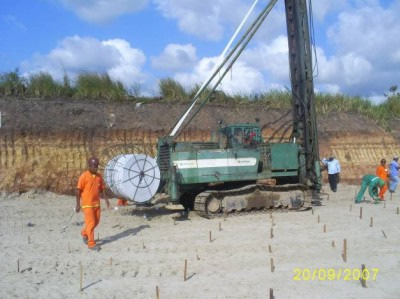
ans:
(139, 254)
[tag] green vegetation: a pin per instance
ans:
(172, 91)
(12, 84)
(43, 85)
(93, 86)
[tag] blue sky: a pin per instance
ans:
(142, 41)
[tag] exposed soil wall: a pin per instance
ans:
(45, 143)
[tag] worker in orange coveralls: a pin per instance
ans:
(90, 185)
(383, 172)
(122, 202)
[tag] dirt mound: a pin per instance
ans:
(45, 143)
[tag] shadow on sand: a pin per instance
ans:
(126, 233)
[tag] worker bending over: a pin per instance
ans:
(373, 183)
(90, 185)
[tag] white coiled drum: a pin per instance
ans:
(135, 177)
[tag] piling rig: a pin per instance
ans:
(239, 171)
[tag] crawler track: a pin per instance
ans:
(252, 198)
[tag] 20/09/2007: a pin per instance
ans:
(331, 274)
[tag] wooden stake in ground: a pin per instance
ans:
(157, 293)
(384, 234)
(272, 232)
(324, 228)
(345, 250)
(220, 227)
(398, 211)
(384, 204)
(210, 237)
(363, 281)
(333, 243)
(271, 294)
(272, 265)
(312, 211)
(360, 212)
(318, 219)
(185, 271)
(81, 280)
(29, 238)
(351, 207)
(372, 222)
(18, 265)
(270, 248)
(391, 195)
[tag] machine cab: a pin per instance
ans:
(240, 135)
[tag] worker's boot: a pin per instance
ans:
(95, 248)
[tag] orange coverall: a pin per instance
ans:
(382, 172)
(90, 186)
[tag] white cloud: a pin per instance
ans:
(241, 79)
(356, 69)
(99, 11)
(175, 57)
(271, 58)
(205, 19)
(366, 43)
(322, 8)
(341, 73)
(130, 61)
(76, 54)
(369, 31)
(362, 44)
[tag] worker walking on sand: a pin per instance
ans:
(373, 183)
(382, 172)
(90, 185)
(393, 174)
(333, 167)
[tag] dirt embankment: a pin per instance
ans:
(45, 143)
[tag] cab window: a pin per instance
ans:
(237, 137)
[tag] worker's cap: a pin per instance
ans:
(93, 161)
(395, 157)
